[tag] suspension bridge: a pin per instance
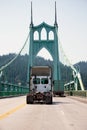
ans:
(65, 113)
(39, 37)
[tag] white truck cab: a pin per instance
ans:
(40, 84)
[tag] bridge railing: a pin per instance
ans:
(7, 90)
(79, 93)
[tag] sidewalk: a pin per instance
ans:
(81, 99)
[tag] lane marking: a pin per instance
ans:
(2, 116)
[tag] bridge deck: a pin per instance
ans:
(64, 114)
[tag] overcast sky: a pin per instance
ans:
(72, 22)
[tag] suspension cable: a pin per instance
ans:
(6, 65)
(72, 67)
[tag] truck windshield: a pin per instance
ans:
(36, 81)
(44, 81)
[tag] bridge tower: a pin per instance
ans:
(49, 43)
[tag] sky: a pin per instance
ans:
(71, 18)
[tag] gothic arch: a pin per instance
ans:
(36, 35)
(43, 34)
(45, 52)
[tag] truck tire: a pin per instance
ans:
(29, 100)
(49, 100)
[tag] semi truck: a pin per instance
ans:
(40, 85)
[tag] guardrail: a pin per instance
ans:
(8, 90)
(76, 93)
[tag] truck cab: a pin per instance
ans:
(40, 85)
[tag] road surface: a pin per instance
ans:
(63, 114)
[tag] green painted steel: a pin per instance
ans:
(75, 84)
(49, 44)
(7, 89)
